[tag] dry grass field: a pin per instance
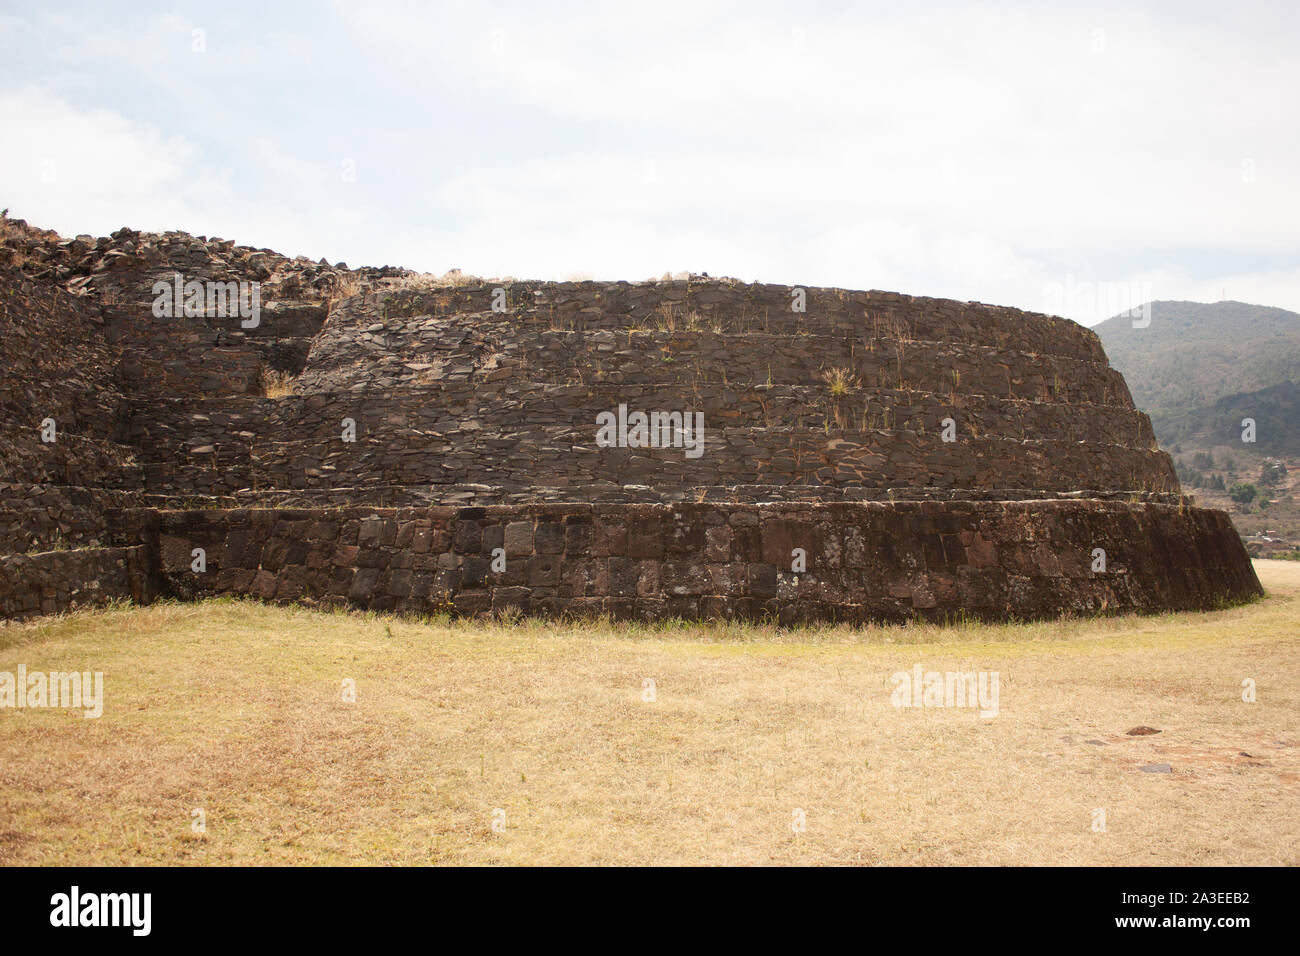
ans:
(237, 710)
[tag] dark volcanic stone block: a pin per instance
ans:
(1162, 557)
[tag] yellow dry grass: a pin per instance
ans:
(235, 709)
(278, 384)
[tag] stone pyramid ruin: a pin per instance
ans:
(184, 417)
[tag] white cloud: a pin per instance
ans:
(77, 166)
(94, 170)
(963, 151)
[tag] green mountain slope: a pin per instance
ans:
(1275, 410)
(1194, 354)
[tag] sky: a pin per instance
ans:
(1078, 159)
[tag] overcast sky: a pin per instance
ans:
(1023, 155)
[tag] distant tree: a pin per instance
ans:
(1203, 461)
(1187, 476)
(1243, 494)
(1272, 472)
(1216, 483)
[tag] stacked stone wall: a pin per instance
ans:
(864, 561)
(58, 369)
(56, 581)
(932, 457)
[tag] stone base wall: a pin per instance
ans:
(56, 581)
(865, 561)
